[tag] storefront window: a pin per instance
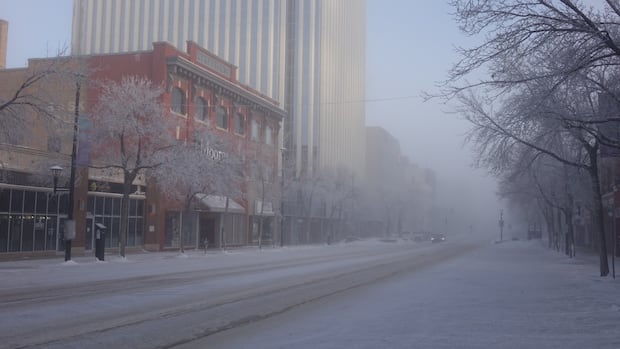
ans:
(39, 233)
(30, 200)
(29, 220)
(5, 200)
(116, 206)
(15, 223)
(98, 205)
(41, 202)
(131, 232)
(112, 221)
(17, 201)
(139, 227)
(27, 233)
(50, 241)
(4, 232)
(107, 206)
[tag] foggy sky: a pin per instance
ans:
(410, 48)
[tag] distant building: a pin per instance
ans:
(4, 32)
(400, 194)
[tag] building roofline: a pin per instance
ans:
(235, 88)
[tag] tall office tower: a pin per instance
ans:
(326, 84)
(309, 55)
(4, 32)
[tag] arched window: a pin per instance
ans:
(202, 109)
(178, 101)
(268, 135)
(255, 130)
(239, 123)
(222, 117)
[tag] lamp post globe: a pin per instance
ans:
(56, 173)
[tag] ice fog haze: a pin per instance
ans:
(410, 48)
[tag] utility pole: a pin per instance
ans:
(501, 225)
(282, 164)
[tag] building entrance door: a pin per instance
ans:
(207, 230)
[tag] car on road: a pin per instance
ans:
(421, 236)
(438, 238)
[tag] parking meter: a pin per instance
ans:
(100, 231)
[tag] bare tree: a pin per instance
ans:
(204, 165)
(133, 133)
(306, 187)
(33, 102)
(28, 95)
(526, 121)
(263, 175)
(339, 188)
(547, 62)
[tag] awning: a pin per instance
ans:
(216, 203)
(266, 208)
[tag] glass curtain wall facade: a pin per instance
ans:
(30, 219)
(192, 228)
(326, 85)
(106, 209)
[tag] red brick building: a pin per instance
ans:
(201, 91)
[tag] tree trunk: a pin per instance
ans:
(568, 215)
(599, 217)
(570, 235)
(260, 220)
(548, 214)
(558, 232)
(124, 213)
(181, 242)
(222, 223)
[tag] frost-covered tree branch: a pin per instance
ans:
(133, 134)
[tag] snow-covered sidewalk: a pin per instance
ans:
(55, 271)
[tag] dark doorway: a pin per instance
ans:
(207, 230)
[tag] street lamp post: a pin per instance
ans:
(614, 232)
(501, 225)
(69, 226)
(282, 199)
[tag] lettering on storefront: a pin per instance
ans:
(99, 186)
(213, 154)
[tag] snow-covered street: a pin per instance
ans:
(366, 294)
(510, 295)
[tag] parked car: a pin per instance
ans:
(438, 238)
(534, 233)
(421, 236)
